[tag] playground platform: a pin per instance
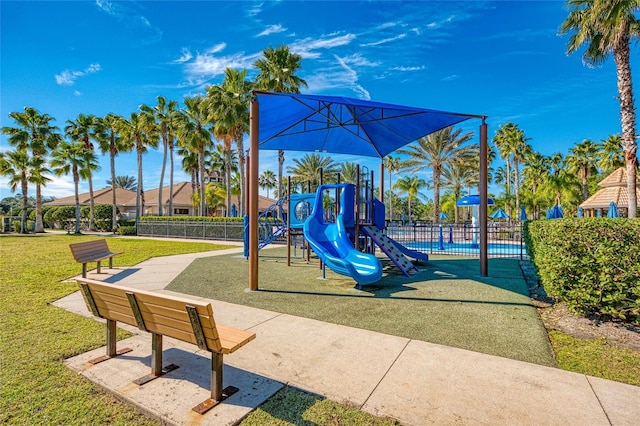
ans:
(415, 382)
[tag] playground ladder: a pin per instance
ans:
(271, 223)
(390, 249)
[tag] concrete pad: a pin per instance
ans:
(620, 401)
(342, 363)
(172, 396)
(433, 384)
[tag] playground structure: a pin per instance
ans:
(318, 123)
(343, 224)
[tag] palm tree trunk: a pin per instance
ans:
(139, 206)
(164, 166)
(39, 224)
(76, 184)
(91, 203)
(171, 177)
(516, 184)
(621, 54)
(280, 167)
(390, 198)
(202, 185)
(436, 194)
(114, 206)
(227, 178)
(241, 160)
(25, 204)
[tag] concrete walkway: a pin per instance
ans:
(415, 382)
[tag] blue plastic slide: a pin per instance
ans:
(332, 244)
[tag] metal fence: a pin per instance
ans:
(462, 239)
(204, 230)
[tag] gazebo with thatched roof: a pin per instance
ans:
(613, 188)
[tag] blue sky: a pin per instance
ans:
(502, 59)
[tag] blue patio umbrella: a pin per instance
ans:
(580, 212)
(523, 213)
(443, 215)
(555, 212)
(598, 213)
(499, 214)
(613, 210)
(234, 210)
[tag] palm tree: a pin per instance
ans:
(457, 175)
(83, 130)
(195, 135)
(229, 105)
(124, 182)
(277, 73)
(35, 133)
(267, 180)
(308, 169)
(166, 115)
(536, 170)
(70, 157)
(348, 172)
(611, 155)
(17, 166)
(512, 144)
(110, 141)
(141, 133)
(411, 185)
(583, 159)
(392, 164)
(190, 165)
(435, 151)
(606, 28)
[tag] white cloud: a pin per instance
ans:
(307, 47)
(77, 93)
(208, 65)
(384, 41)
(68, 78)
(407, 69)
(339, 76)
(272, 29)
(125, 13)
(185, 56)
(255, 10)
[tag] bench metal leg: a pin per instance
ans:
(156, 362)
(111, 263)
(217, 393)
(84, 270)
(111, 345)
(98, 268)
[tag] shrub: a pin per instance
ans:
(16, 225)
(127, 230)
(592, 264)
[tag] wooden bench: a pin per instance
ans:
(92, 251)
(180, 318)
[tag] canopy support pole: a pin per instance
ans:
(484, 199)
(253, 195)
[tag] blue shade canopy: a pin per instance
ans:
(499, 214)
(523, 213)
(613, 210)
(344, 125)
(443, 215)
(472, 200)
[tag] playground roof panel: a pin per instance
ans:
(295, 122)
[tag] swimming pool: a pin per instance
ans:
(469, 249)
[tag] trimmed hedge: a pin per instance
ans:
(592, 264)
